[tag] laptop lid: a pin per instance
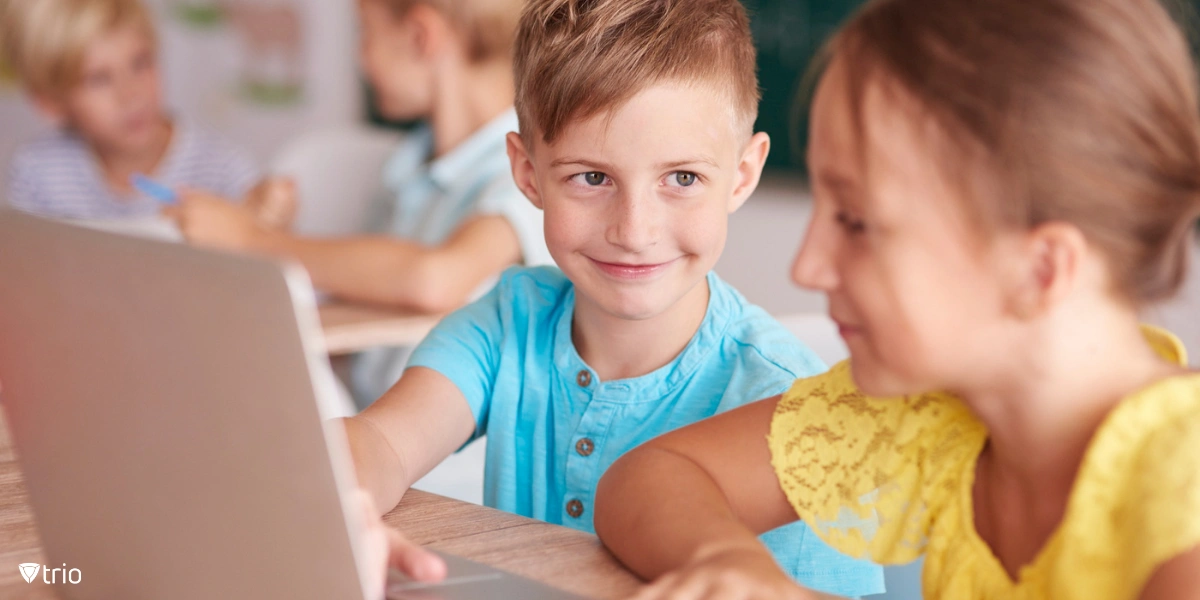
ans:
(166, 406)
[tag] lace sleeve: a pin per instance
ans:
(868, 474)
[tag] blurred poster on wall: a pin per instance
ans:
(262, 71)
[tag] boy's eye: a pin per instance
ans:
(852, 225)
(684, 178)
(594, 178)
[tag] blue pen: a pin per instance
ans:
(153, 189)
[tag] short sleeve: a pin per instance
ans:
(243, 173)
(502, 198)
(1166, 496)
(1137, 494)
(869, 474)
(465, 348)
(22, 184)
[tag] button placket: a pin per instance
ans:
(582, 467)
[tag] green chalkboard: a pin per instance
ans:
(788, 34)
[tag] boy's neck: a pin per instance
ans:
(618, 348)
(466, 99)
(119, 165)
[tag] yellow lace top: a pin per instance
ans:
(891, 479)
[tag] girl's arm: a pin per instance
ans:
(1176, 579)
(693, 501)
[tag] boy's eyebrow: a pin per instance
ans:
(607, 167)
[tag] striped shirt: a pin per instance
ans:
(58, 176)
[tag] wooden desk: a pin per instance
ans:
(354, 327)
(561, 557)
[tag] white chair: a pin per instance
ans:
(819, 333)
(338, 177)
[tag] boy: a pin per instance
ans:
(454, 219)
(91, 67)
(636, 141)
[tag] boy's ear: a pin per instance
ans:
(749, 169)
(51, 108)
(522, 168)
(1053, 263)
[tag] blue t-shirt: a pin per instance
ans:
(553, 427)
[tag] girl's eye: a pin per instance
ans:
(594, 178)
(852, 225)
(685, 178)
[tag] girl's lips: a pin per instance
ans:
(630, 271)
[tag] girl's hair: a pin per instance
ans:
(1077, 111)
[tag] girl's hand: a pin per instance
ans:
(742, 573)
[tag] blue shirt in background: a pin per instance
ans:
(553, 427)
(429, 199)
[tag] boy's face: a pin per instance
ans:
(117, 104)
(392, 51)
(637, 199)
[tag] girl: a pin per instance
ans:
(999, 186)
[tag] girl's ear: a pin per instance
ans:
(523, 173)
(1051, 267)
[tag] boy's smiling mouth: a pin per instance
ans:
(631, 271)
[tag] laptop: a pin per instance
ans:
(168, 407)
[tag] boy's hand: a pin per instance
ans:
(388, 548)
(728, 574)
(211, 221)
(274, 202)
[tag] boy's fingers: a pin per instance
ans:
(413, 560)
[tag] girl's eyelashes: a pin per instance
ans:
(852, 225)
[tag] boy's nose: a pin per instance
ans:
(634, 226)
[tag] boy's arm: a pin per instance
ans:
(377, 269)
(406, 433)
(696, 499)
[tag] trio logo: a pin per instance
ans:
(29, 572)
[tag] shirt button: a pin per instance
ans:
(584, 378)
(584, 447)
(575, 508)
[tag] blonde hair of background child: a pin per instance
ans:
(45, 41)
(487, 25)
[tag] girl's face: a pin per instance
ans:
(916, 290)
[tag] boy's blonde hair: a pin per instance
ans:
(45, 40)
(487, 25)
(577, 58)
